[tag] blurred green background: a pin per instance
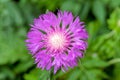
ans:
(102, 20)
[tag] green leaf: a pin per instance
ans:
(99, 11)
(75, 74)
(68, 5)
(6, 73)
(23, 66)
(94, 74)
(114, 20)
(114, 3)
(15, 14)
(36, 74)
(85, 10)
(94, 62)
(93, 28)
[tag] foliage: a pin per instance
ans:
(101, 60)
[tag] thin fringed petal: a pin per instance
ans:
(50, 19)
(66, 18)
(43, 60)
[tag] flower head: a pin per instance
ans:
(57, 41)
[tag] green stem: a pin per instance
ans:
(51, 75)
(113, 61)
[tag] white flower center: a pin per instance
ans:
(57, 40)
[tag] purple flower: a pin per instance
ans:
(57, 41)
